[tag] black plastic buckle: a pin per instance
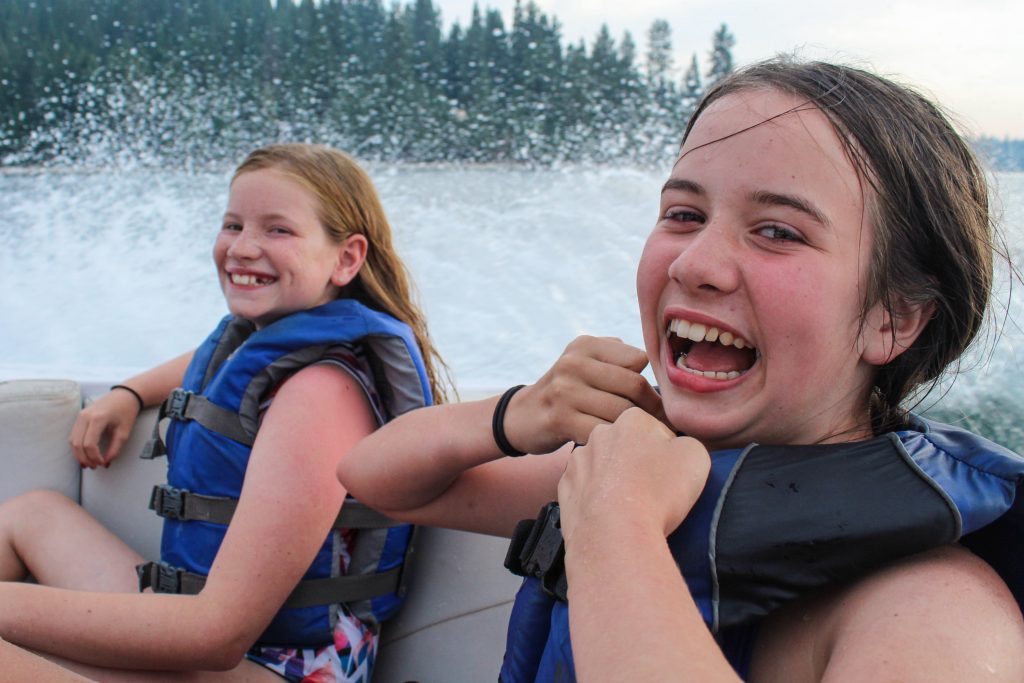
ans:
(176, 404)
(538, 551)
(168, 502)
(160, 576)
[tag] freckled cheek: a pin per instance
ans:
(220, 249)
(650, 284)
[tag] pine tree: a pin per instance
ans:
(202, 80)
(721, 55)
(659, 53)
(692, 89)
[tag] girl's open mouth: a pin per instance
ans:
(249, 280)
(708, 352)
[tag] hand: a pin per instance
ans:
(636, 467)
(112, 416)
(592, 383)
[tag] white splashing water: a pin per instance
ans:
(114, 269)
(104, 270)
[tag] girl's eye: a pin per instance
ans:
(232, 227)
(679, 215)
(778, 233)
(279, 230)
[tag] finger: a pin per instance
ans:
(641, 421)
(582, 426)
(610, 350)
(75, 440)
(90, 444)
(117, 441)
(621, 382)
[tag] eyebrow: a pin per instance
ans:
(761, 197)
(264, 217)
(683, 185)
(798, 203)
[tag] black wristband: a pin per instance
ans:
(142, 404)
(498, 423)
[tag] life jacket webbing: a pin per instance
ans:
(166, 578)
(186, 405)
(174, 503)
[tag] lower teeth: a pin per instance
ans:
(710, 374)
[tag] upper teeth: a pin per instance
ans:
(240, 279)
(699, 332)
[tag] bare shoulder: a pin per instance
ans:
(942, 615)
(327, 386)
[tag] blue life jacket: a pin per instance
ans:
(215, 417)
(775, 522)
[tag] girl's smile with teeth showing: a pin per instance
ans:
(754, 272)
(722, 354)
(272, 253)
(245, 280)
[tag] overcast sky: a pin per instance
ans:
(968, 54)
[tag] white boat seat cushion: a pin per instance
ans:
(35, 420)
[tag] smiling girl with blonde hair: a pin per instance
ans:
(261, 577)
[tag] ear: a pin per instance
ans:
(886, 334)
(351, 256)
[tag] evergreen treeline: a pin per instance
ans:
(201, 81)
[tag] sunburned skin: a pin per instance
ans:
(762, 244)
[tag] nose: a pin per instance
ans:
(709, 261)
(244, 244)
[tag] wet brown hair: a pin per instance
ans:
(928, 204)
(348, 204)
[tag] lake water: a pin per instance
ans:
(107, 272)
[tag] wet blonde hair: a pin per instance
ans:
(348, 204)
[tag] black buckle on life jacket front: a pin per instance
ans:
(538, 550)
(168, 502)
(176, 404)
(160, 576)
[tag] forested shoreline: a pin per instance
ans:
(197, 82)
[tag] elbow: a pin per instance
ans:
(222, 649)
(225, 656)
(234, 646)
(344, 472)
(355, 480)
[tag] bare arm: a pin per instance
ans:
(113, 415)
(634, 483)
(943, 615)
(288, 503)
(441, 466)
(22, 666)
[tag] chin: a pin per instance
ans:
(711, 433)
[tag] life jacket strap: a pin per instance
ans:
(174, 503)
(186, 405)
(537, 550)
(166, 578)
